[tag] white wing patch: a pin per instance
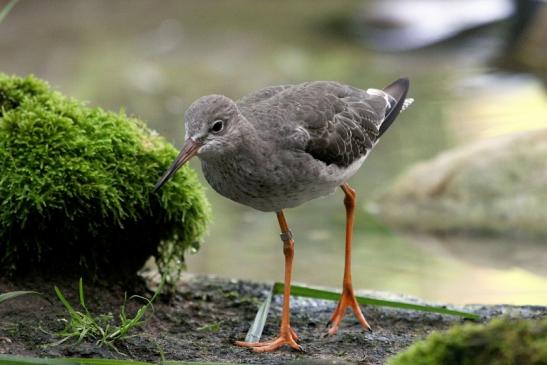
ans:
(388, 98)
(408, 102)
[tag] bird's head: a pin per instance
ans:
(210, 124)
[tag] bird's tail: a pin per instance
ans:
(397, 92)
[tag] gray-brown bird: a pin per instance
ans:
(284, 145)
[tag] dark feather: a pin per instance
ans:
(341, 122)
(398, 91)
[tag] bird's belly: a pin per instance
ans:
(279, 188)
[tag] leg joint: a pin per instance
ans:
(286, 236)
(288, 242)
(349, 202)
(350, 195)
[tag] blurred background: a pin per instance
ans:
(478, 70)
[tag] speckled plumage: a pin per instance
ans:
(284, 145)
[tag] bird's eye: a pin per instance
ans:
(217, 126)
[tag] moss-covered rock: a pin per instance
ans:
(75, 188)
(500, 342)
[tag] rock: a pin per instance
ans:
(495, 187)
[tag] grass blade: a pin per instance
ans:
(65, 302)
(21, 360)
(4, 12)
(302, 291)
(106, 362)
(255, 332)
(81, 295)
(14, 294)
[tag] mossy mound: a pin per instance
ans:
(75, 188)
(500, 342)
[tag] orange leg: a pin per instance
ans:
(348, 297)
(287, 336)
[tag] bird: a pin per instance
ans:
(284, 145)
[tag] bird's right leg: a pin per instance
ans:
(347, 299)
(287, 336)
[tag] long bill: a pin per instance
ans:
(189, 150)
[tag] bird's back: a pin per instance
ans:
(335, 123)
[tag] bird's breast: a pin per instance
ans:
(283, 180)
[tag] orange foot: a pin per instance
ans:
(346, 300)
(285, 338)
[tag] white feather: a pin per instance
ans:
(408, 102)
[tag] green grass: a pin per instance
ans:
(83, 325)
(303, 291)
(211, 327)
(15, 294)
(255, 331)
(6, 9)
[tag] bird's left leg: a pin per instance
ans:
(348, 297)
(287, 336)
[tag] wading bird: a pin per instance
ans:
(284, 145)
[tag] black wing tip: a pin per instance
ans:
(398, 89)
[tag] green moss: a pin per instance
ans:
(500, 342)
(75, 187)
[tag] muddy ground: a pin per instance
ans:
(206, 316)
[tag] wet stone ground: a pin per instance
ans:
(205, 317)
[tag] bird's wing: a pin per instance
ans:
(336, 123)
(250, 101)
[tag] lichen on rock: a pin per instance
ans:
(76, 188)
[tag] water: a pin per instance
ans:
(154, 60)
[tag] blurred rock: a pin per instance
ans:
(496, 187)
